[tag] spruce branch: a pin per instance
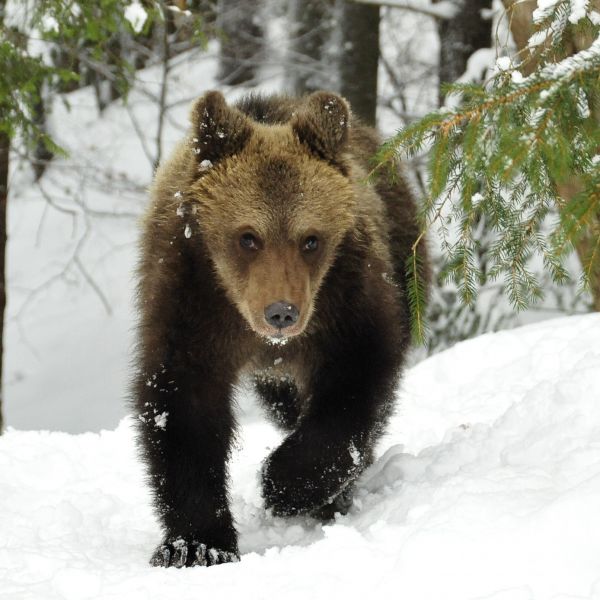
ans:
(504, 157)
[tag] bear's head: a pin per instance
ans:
(273, 204)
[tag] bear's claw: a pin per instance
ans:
(180, 553)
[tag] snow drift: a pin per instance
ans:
(488, 486)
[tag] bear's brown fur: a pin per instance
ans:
(265, 251)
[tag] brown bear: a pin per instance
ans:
(266, 251)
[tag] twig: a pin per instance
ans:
(86, 274)
(93, 285)
(68, 211)
(140, 134)
(38, 233)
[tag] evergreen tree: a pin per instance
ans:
(506, 154)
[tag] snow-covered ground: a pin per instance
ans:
(487, 486)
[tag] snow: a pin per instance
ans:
(49, 23)
(477, 198)
(478, 64)
(569, 66)
(539, 37)
(277, 341)
(354, 454)
(544, 9)
(579, 10)
(161, 420)
(504, 63)
(583, 107)
(517, 77)
(487, 485)
(136, 14)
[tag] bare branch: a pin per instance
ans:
(92, 283)
(140, 134)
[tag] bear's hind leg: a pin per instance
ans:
(280, 398)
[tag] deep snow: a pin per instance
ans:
(488, 486)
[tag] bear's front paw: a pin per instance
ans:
(299, 482)
(179, 553)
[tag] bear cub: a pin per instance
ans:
(265, 251)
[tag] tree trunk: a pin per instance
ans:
(311, 22)
(460, 36)
(241, 40)
(360, 58)
(4, 158)
(520, 18)
(584, 248)
(41, 155)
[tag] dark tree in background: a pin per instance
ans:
(241, 40)
(42, 155)
(4, 157)
(359, 57)
(312, 24)
(4, 150)
(462, 35)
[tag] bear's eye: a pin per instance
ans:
(249, 241)
(311, 243)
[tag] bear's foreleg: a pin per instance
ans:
(187, 428)
(314, 469)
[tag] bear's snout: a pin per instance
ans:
(281, 314)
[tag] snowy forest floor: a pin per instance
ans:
(487, 486)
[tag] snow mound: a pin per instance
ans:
(494, 493)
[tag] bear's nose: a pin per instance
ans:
(281, 314)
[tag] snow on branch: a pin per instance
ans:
(445, 9)
(570, 66)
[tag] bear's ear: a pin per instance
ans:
(218, 130)
(322, 124)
